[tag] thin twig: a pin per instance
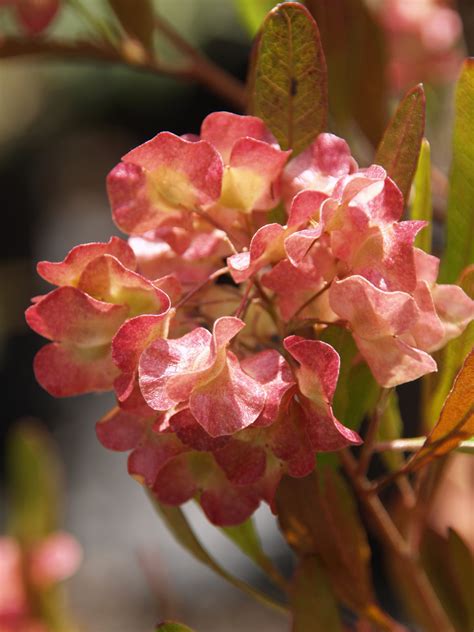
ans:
(200, 286)
(204, 70)
(388, 533)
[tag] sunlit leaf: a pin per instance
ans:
(288, 87)
(137, 19)
(178, 525)
(459, 251)
(312, 601)
(400, 146)
(171, 626)
(422, 206)
(456, 421)
(253, 12)
(33, 481)
(318, 516)
(358, 87)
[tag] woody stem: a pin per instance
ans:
(385, 529)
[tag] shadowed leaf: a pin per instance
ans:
(288, 87)
(400, 146)
(318, 516)
(357, 391)
(312, 601)
(450, 568)
(422, 207)
(391, 428)
(459, 251)
(357, 83)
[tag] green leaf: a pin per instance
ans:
(422, 207)
(288, 83)
(312, 601)
(245, 537)
(391, 428)
(178, 525)
(459, 251)
(33, 476)
(437, 385)
(253, 12)
(400, 146)
(318, 516)
(171, 626)
(357, 391)
(358, 89)
(137, 19)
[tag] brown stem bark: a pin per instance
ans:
(388, 533)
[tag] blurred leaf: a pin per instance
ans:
(33, 475)
(137, 19)
(462, 559)
(357, 83)
(288, 88)
(459, 251)
(312, 601)
(456, 421)
(357, 391)
(253, 12)
(400, 146)
(422, 207)
(171, 626)
(318, 516)
(178, 525)
(437, 385)
(245, 537)
(450, 568)
(391, 427)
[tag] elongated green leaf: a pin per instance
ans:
(245, 537)
(459, 251)
(356, 391)
(312, 602)
(171, 626)
(318, 516)
(253, 12)
(449, 359)
(391, 428)
(33, 479)
(178, 525)
(422, 207)
(358, 89)
(137, 19)
(288, 87)
(400, 146)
